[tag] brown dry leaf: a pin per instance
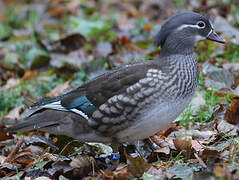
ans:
(184, 146)
(203, 135)
(73, 61)
(125, 24)
(136, 165)
(163, 144)
(226, 128)
(84, 162)
(124, 40)
(197, 146)
(59, 89)
(25, 158)
(218, 171)
(69, 43)
(29, 74)
(4, 135)
(57, 10)
(50, 156)
(232, 67)
(172, 127)
(4, 163)
(148, 27)
(34, 149)
(219, 111)
(159, 140)
(119, 174)
(163, 141)
(232, 113)
(15, 113)
(226, 92)
(210, 154)
(233, 151)
(165, 150)
(62, 168)
(10, 83)
(156, 172)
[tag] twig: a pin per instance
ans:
(13, 153)
(200, 161)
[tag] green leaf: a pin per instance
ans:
(88, 28)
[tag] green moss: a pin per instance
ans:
(12, 98)
(232, 53)
(205, 49)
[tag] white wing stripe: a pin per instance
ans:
(57, 106)
(80, 113)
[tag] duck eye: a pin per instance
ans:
(201, 24)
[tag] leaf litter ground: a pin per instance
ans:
(46, 51)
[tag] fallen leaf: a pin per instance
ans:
(59, 89)
(232, 113)
(147, 27)
(180, 171)
(136, 165)
(10, 83)
(160, 141)
(165, 150)
(125, 23)
(226, 128)
(232, 67)
(208, 154)
(84, 162)
(29, 74)
(4, 135)
(218, 171)
(197, 146)
(171, 127)
(73, 61)
(184, 146)
(219, 112)
(156, 173)
(217, 77)
(16, 112)
(25, 158)
(67, 44)
(102, 149)
(60, 168)
(119, 174)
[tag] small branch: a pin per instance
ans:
(200, 161)
(13, 153)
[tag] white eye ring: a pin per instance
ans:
(201, 24)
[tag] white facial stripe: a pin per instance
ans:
(186, 25)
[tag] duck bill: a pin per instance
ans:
(215, 37)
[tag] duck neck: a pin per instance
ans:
(178, 43)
